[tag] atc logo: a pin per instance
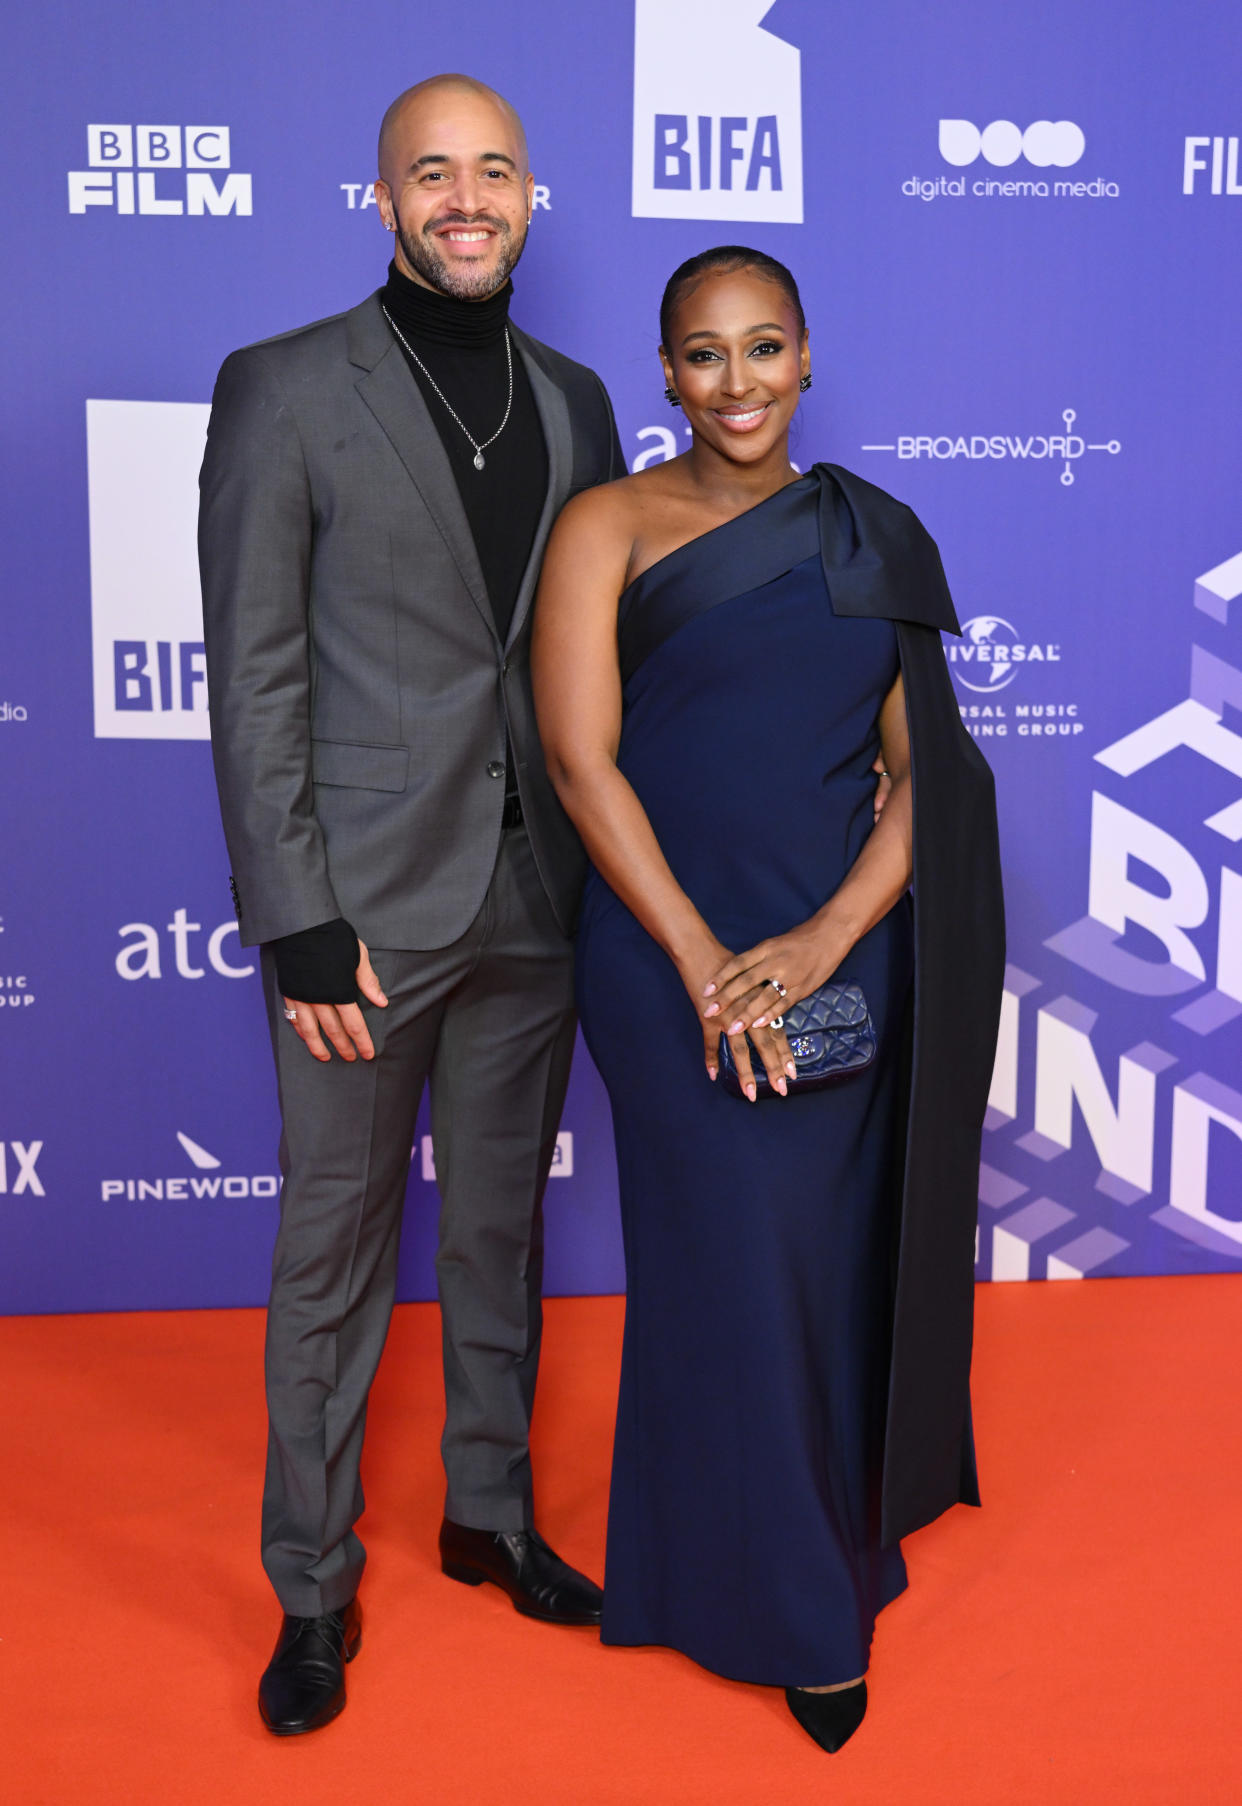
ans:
(160, 169)
(143, 459)
(178, 1188)
(143, 956)
(1048, 143)
(715, 137)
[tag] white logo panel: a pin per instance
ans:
(715, 137)
(143, 459)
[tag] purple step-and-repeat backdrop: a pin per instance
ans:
(1017, 231)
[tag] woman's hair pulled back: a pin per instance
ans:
(720, 259)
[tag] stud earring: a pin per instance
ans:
(804, 382)
(671, 396)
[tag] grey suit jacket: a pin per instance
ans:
(359, 694)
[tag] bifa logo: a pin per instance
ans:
(715, 138)
(207, 1181)
(1049, 143)
(562, 1157)
(24, 1158)
(150, 677)
(162, 169)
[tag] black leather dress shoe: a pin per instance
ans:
(830, 1718)
(303, 1686)
(539, 1583)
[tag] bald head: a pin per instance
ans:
(423, 95)
(454, 185)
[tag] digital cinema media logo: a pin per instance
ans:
(177, 170)
(150, 678)
(1012, 162)
(716, 138)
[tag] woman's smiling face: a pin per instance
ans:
(735, 359)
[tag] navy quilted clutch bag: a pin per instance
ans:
(830, 1034)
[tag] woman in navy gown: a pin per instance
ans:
(714, 706)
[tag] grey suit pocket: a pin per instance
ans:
(360, 767)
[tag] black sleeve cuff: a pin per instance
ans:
(317, 965)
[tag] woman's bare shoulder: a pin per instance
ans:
(625, 499)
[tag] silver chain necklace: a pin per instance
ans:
(479, 459)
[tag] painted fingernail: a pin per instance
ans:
(711, 1073)
(737, 1028)
(751, 1093)
(709, 990)
(760, 1022)
(782, 1087)
(791, 1069)
(713, 1009)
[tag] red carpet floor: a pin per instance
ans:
(1078, 1641)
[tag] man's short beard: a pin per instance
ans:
(422, 254)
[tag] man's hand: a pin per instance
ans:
(342, 1024)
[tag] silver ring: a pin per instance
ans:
(883, 773)
(291, 1015)
(777, 986)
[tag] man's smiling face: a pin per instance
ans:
(455, 188)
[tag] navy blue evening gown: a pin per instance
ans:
(744, 1517)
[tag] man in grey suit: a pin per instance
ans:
(376, 495)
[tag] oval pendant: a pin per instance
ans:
(478, 460)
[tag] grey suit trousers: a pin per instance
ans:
(488, 1020)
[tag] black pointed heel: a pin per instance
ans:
(830, 1718)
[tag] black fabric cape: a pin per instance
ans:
(880, 561)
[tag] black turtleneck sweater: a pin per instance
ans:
(462, 343)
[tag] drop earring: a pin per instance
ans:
(804, 382)
(671, 396)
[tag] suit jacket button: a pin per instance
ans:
(495, 769)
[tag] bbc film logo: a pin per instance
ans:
(1210, 166)
(715, 138)
(149, 665)
(162, 170)
(1046, 144)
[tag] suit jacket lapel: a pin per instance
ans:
(553, 412)
(391, 393)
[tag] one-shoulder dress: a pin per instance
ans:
(745, 1500)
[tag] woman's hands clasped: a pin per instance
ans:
(699, 974)
(740, 997)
